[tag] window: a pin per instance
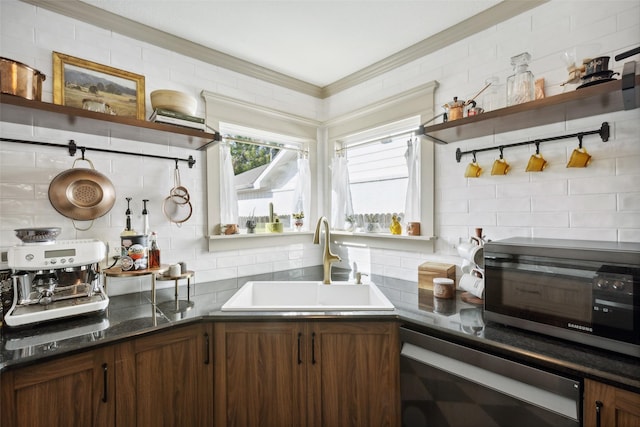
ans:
(378, 126)
(378, 173)
(232, 116)
(266, 168)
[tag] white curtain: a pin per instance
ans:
(341, 204)
(302, 192)
(412, 202)
(228, 196)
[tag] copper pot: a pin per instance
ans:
(21, 80)
(82, 194)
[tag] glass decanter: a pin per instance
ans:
(520, 86)
(494, 96)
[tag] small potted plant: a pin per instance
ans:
(298, 220)
(251, 223)
(350, 222)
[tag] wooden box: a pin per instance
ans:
(427, 271)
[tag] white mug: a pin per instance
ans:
(471, 252)
(472, 284)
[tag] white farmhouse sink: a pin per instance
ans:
(307, 296)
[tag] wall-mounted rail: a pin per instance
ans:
(73, 148)
(603, 132)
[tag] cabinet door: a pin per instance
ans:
(76, 390)
(260, 374)
(613, 406)
(354, 374)
(166, 379)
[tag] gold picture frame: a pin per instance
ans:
(91, 86)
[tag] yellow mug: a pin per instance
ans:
(473, 170)
(500, 167)
(537, 163)
(579, 158)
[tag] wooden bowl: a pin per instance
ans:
(174, 100)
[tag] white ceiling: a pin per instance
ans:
(315, 41)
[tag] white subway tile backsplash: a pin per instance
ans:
(629, 202)
(605, 219)
(598, 202)
(534, 219)
(604, 184)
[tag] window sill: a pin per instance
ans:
(383, 240)
(258, 240)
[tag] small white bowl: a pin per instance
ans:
(174, 100)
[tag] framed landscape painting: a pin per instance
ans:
(91, 86)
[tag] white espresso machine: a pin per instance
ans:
(55, 280)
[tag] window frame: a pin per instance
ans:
(415, 102)
(222, 109)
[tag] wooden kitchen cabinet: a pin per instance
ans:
(613, 406)
(76, 390)
(307, 373)
(166, 379)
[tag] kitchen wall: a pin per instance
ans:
(599, 202)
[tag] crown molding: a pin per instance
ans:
(494, 15)
(95, 16)
(101, 18)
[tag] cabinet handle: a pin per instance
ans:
(206, 348)
(104, 383)
(299, 354)
(313, 348)
(598, 412)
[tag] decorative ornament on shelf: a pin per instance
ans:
(251, 222)
(395, 226)
(298, 220)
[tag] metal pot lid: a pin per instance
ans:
(82, 194)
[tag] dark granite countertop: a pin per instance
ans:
(132, 315)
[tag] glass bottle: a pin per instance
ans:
(494, 97)
(128, 230)
(154, 252)
(520, 85)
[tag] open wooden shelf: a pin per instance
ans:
(23, 111)
(585, 102)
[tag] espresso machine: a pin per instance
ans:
(55, 280)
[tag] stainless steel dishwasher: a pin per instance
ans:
(448, 385)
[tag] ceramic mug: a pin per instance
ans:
(471, 252)
(579, 158)
(500, 167)
(473, 170)
(537, 163)
(413, 229)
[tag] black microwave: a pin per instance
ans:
(583, 291)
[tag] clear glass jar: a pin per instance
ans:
(520, 86)
(494, 96)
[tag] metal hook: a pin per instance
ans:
(176, 163)
(537, 146)
(474, 156)
(501, 148)
(82, 150)
(580, 135)
(72, 147)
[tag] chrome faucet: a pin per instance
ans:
(327, 256)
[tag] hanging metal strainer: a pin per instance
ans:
(177, 207)
(178, 193)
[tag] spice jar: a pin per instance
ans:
(443, 288)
